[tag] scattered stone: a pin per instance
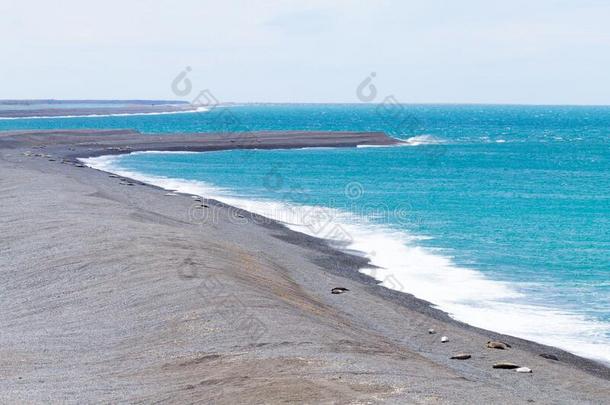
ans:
(505, 365)
(444, 339)
(461, 356)
(79, 165)
(114, 176)
(523, 370)
(339, 290)
(431, 331)
(549, 356)
(497, 345)
(205, 206)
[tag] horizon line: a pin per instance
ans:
(9, 101)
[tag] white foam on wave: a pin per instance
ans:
(168, 152)
(198, 109)
(396, 145)
(465, 294)
(413, 141)
(424, 140)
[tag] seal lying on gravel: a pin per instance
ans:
(505, 365)
(497, 345)
(461, 356)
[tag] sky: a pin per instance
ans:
(428, 51)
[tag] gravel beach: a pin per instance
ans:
(114, 291)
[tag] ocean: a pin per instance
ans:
(498, 215)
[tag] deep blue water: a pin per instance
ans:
(498, 214)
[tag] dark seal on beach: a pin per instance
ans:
(505, 365)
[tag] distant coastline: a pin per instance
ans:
(82, 108)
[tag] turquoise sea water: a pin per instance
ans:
(499, 215)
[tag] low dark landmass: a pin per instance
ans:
(92, 101)
(113, 290)
(63, 108)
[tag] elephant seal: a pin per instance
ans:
(461, 356)
(505, 365)
(497, 345)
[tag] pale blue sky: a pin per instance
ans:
(535, 51)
